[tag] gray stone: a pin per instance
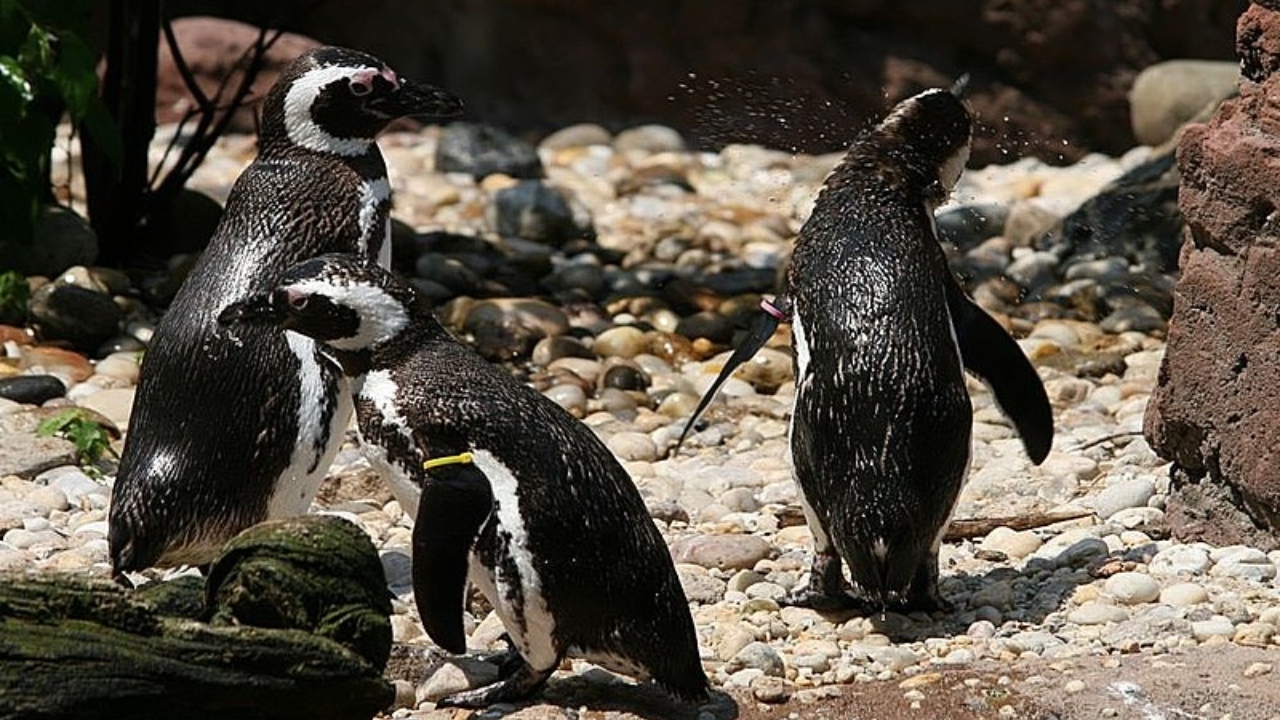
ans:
(27, 455)
(1184, 594)
(508, 328)
(1096, 613)
(894, 657)
(1167, 95)
(31, 389)
(1245, 563)
(482, 150)
(726, 552)
(967, 226)
(535, 211)
(1180, 560)
(398, 567)
(650, 138)
(457, 675)
(1027, 221)
(1216, 626)
(62, 239)
(79, 488)
(1134, 317)
(1131, 588)
(1082, 552)
(1123, 495)
(633, 446)
(575, 136)
(698, 584)
(1015, 544)
(84, 318)
(1034, 270)
(570, 397)
(760, 656)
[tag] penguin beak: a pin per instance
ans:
(255, 310)
(417, 99)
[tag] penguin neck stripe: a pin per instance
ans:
(465, 458)
(382, 317)
(302, 127)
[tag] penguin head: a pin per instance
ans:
(335, 100)
(343, 301)
(920, 148)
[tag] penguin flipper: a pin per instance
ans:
(772, 313)
(990, 353)
(456, 501)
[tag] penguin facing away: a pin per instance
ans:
(515, 495)
(882, 335)
(230, 430)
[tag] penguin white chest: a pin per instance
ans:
(324, 410)
(516, 597)
(379, 389)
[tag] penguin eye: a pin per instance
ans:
(360, 89)
(297, 301)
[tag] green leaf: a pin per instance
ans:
(54, 425)
(92, 441)
(14, 294)
(12, 76)
(36, 53)
(74, 75)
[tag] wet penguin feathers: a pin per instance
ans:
(915, 154)
(883, 335)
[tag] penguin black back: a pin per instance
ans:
(562, 544)
(880, 433)
(228, 430)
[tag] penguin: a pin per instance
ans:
(882, 334)
(229, 431)
(507, 490)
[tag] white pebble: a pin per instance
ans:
(1131, 588)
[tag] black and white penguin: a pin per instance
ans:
(516, 495)
(882, 334)
(229, 430)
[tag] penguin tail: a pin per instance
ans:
(691, 687)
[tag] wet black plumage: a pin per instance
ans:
(215, 421)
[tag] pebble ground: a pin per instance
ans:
(1033, 606)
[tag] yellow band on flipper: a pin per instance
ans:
(459, 459)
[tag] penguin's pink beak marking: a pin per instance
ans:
(390, 75)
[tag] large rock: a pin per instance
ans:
(212, 48)
(1167, 95)
(1213, 412)
(1051, 77)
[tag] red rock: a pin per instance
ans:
(9, 333)
(1214, 411)
(54, 359)
(212, 47)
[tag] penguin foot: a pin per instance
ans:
(826, 602)
(508, 660)
(522, 683)
(928, 603)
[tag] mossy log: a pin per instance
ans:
(292, 623)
